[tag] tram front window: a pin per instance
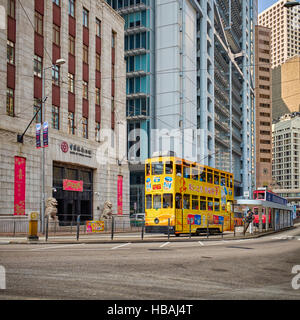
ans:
(167, 201)
(157, 168)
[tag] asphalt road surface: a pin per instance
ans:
(245, 269)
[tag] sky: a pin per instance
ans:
(264, 4)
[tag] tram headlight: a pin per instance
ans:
(156, 220)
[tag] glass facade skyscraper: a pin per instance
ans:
(190, 68)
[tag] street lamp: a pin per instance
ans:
(59, 62)
(20, 137)
(291, 4)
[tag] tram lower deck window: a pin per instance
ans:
(157, 202)
(149, 201)
(167, 201)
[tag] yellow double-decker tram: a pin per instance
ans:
(187, 196)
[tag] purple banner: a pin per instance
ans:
(45, 135)
(38, 135)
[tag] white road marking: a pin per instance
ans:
(165, 244)
(202, 244)
(57, 247)
(120, 246)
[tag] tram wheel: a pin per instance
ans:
(177, 234)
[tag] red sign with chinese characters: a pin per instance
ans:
(71, 185)
(20, 186)
(120, 195)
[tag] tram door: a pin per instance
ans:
(178, 213)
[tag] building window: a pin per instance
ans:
(10, 52)
(71, 123)
(10, 102)
(55, 75)
(85, 91)
(85, 54)
(37, 107)
(56, 2)
(85, 18)
(71, 82)
(85, 128)
(98, 96)
(98, 28)
(72, 45)
(98, 62)
(38, 23)
(97, 132)
(11, 8)
(55, 117)
(38, 65)
(72, 8)
(113, 40)
(56, 35)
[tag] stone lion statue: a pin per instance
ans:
(107, 210)
(51, 210)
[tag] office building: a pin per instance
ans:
(263, 107)
(285, 37)
(84, 99)
(191, 64)
(286, 157)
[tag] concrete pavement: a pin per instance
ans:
(133, 238)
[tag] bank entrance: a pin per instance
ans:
(73, 190)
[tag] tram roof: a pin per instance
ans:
(262, 203)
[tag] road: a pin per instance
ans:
(198, 269)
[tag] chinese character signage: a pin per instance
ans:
(70, 185)
(20, 186)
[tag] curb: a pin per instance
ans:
(185, 239)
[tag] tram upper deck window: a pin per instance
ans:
(260, 196)
(216, 178)
(179, 170)
(169, 167)
(209, 176)
(231, 182)
(223, 180)
(148, 169)
(157, 201)
(157, 168)
(168, 200)
(149, 201)
(194, 172)
(202, 174)
(186, 172)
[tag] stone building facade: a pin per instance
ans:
(85, 105)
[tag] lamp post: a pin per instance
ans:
(59, 62)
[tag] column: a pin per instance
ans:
(260, 219)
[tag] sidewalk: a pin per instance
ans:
(133, 238)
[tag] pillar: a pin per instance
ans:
(260, 219)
